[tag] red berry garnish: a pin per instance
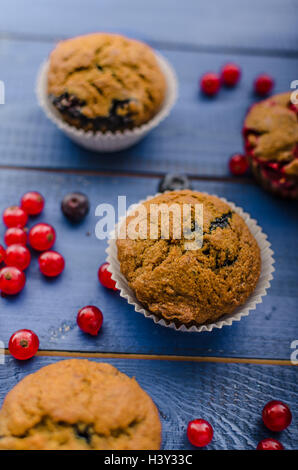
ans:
(18, 256)
(2, 254)
(276, 415)
(12, 280)
(105, 277)
(230, 74)
(15, 236)
(210, 84)
(90, 319)
(15, 217)
(42, 237)
(51, 263)
(270, 444)
(199, 432)
(238, 164)
(23, 344)
(32, 203)
(263, 85)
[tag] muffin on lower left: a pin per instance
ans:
(79, 405)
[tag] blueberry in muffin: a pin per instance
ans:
(79, 405)
(105, 82)
(271, 143)
(191, 286)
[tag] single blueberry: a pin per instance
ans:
(75, 206)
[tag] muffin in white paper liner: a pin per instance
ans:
(109, 141)
(267, 268)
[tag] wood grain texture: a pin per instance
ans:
(197, 138)
(229, 396)
(50, 307)
(219, 23)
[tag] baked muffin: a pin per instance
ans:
(105, 82)
(191, 286)
(78, 405)
(271, 144)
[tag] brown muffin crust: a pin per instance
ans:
(271, 144)
(78, 405)
(192, 287)
(271, 127)
(105, 82)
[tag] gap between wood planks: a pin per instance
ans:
(134, 174)
(169, 45)
(162, 357)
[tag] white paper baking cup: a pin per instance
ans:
(255, 298)
(109, 141)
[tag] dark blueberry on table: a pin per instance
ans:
(75, 206)
(172, 182)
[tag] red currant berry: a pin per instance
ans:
(23, 344)
(263, 85)
(276, 415)
(230, 74)
(18, 256)
(105, 277)
(270, 444)
(199, 432)
(15, 217)
(15, 236)
(90, 319)
(238, 164)
(210, 84)
(51, 263)
(2, 254)
(32, 203)
(42, 237)
(12, 280)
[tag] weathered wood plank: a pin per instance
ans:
(197, 138)
(50, 307)
(270, 24)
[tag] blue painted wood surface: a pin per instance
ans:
(269, 24)
(198, 137)
(50, 307)
(229, 396)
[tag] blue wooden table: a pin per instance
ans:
(225, 376)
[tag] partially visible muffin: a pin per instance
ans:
(79, 405)
(105, 82)
(191, 286)
(271, 143)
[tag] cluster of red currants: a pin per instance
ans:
(17, 256)
(24, 344)
(276, 416)
(229, 76)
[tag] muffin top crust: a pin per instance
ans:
(271, 132)
(105, 82)
(79, 405)
(192, 286)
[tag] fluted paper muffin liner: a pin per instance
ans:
(255, 298)
(108, 141)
